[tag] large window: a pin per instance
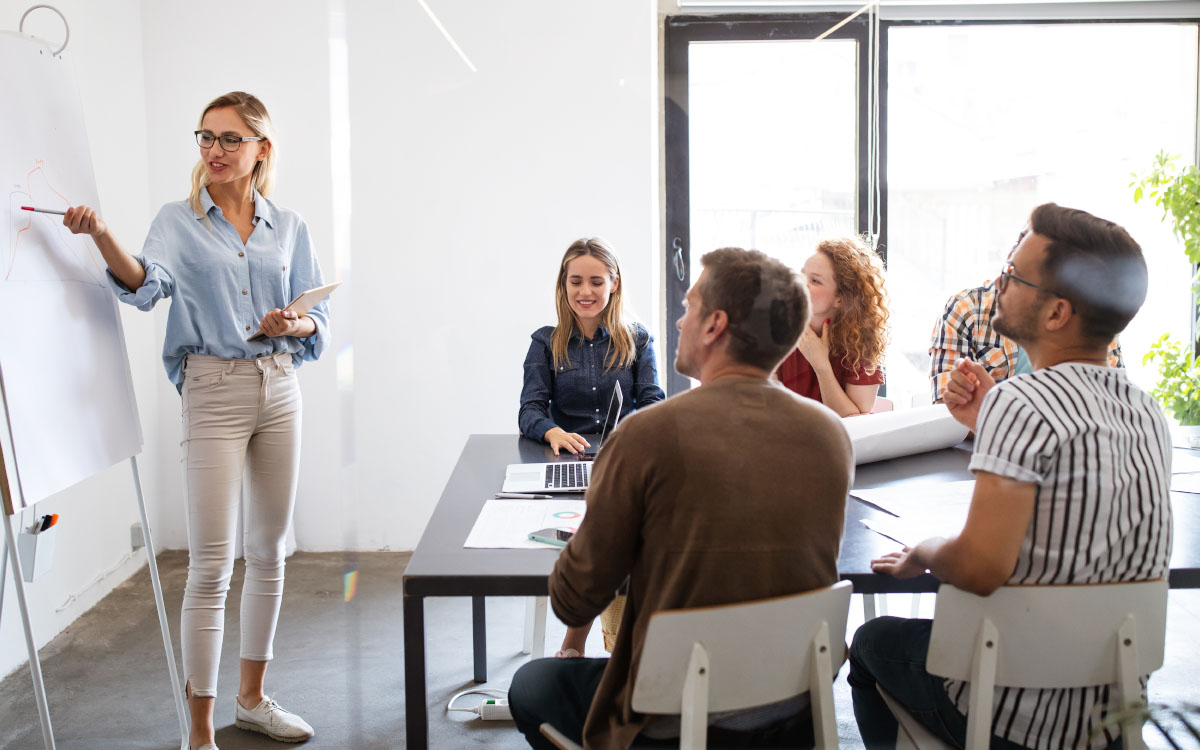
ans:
(981, 122)
(984, 122)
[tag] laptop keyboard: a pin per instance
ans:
(567, 475)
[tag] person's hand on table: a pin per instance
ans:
(901, 564)
(969, 383)
(560, 439)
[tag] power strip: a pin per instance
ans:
(494, 710)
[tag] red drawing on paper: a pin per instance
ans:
(39, 247)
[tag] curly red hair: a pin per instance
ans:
(862, 333)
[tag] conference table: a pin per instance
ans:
(441, 566)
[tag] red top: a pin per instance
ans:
(797, 374)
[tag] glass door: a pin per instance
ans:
(765, 144)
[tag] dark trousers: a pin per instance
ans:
(891, 651)
(560, 691)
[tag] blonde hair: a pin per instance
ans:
(254, 113)
(621, 353)
(861, 334)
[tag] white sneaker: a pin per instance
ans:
(208, 746)
(272, 720)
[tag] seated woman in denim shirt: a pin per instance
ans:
(571, 367)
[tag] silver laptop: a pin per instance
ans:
(570, 474)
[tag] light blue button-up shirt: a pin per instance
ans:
(221, 289)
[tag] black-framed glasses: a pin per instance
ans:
(229, 142)
(1006, 275)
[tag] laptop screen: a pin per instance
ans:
(615, 402)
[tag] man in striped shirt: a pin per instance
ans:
(1072, 468)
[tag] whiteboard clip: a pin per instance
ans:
(66, 26)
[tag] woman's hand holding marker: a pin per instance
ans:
(84, 220)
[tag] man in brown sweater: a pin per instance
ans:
(730, 492)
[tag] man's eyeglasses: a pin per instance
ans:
(1006, 275)
(229, 142)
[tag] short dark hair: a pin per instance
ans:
(1095, 265)
(766, 301)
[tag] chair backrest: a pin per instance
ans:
(881, 405)
(1049, 636)
(758, 651)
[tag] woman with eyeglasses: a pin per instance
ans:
(230, 260)
(839, 359)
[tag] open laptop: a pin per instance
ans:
(569, 475)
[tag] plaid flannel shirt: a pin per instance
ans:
(965, 330)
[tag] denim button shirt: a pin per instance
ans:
(575, 396)
(221, 289)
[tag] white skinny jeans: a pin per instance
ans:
(237, 414)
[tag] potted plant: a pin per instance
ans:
(1177, 192)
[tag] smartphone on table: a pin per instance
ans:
(553, 536)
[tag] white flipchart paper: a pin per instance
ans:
(891, 434)
(506, 524)
(66, 379)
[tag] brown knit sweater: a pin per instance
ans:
(731, 492)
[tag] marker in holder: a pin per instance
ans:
(37, 552)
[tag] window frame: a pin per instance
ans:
(680, 31)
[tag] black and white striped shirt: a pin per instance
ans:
(1099, 451)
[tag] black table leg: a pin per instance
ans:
(416, 722)
(479, 637)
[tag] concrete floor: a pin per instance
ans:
(340, 665)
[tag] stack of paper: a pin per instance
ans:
(922, 510)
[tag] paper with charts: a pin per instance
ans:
(919, 510)
(63, 364)
(505, 524)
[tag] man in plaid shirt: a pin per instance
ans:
(965, 330)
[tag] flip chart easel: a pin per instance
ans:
(67, 409)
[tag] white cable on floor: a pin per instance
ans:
(75, 597)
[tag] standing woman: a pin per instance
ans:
(839, 359)
(571, 367)
(230, 260)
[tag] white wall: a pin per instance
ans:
(92, 542)
(467, 188)
(277, 50)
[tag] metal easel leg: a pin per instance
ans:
(152, 563)
(35, 664)
(3, 574)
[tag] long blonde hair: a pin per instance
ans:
(621, 353)
(861, 334)
(254, 113)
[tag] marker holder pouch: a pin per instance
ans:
(37, 552)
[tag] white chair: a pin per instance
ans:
(737, 656)
(882, 404)
(536, 614)
(1042, 637)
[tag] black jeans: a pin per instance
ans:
(560, 691)
(891, 651)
